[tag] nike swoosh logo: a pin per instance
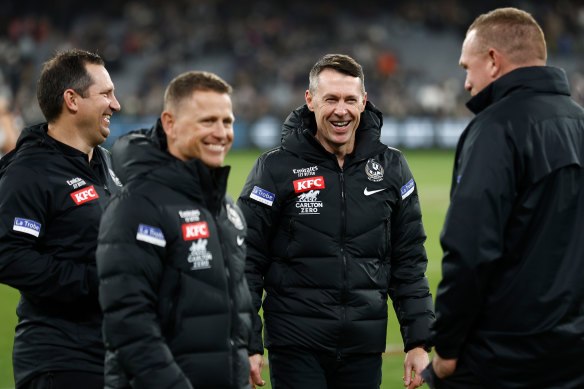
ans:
(370, 192)
(239, 240)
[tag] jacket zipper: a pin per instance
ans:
(344, 258)
(229, 291)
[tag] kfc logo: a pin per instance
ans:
(307, 184)
(194, 231)
(84, 195)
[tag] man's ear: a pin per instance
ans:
(308, 98)
(70, 98)
(364, 102)
(167, 120)
(495, 63)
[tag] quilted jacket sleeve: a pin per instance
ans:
(259, 203)
(408, 285)
(24, 213)
(472, 237)
(131, 248)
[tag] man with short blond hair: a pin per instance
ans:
(171, 254)
(510, 306)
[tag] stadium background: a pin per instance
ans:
(409, 51)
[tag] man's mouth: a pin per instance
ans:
(215, 147)
(341, 124)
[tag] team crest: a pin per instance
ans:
(234, 217)
(115, 178)
(374, 170)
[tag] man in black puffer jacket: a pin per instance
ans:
(334, 229)
(53, 188)
(510, 306)
(171, 253)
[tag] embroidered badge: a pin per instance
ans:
(374, 170)
(262, 195)
(234, 217)
(305, 172)
(76, 182)
(152, 235)
(115, 178)
(306, 184)
(193, 231)
(27, 226)
(199, 257)
(407, 189)
(190, 215)
(308, 204)
(84, 195)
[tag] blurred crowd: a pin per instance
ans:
(409, 49)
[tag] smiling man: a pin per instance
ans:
(334, 230)
(177, 309)
(53, 189)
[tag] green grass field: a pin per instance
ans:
(432, 170)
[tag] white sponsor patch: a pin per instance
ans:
(305, 172)
(27, 226)
(190, 215)
(262, 195)
(199, 257)
(76, 182)
(308, 203)
(151, 235)
(408, 189)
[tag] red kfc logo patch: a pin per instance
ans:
(192, 231)
(307, 184)
(84, 195)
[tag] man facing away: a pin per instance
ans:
(53, 188)
(334, 229)
(171, 255)
(510, 306)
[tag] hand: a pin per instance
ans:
(443, 367)
(416, 360)
(256, 364)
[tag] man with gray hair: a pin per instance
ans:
(510, 306)
(335, 228)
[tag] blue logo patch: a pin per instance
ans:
(262, 195)
(151, 235)
(407, 189)
(27, 226)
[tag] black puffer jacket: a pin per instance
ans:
(329, 245)
(51, 201)
(511, 301)
(177, 310)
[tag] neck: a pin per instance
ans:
(339, 150)
(63, 134)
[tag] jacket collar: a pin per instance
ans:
(299, 129)
(541, 79)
